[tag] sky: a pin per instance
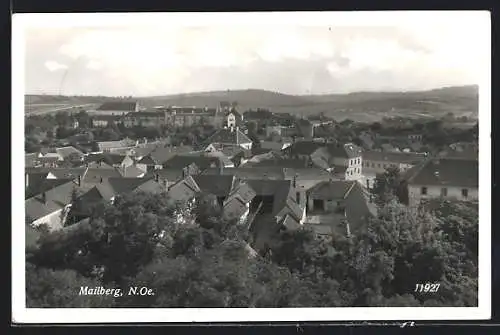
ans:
(169, 55)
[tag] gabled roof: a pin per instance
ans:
(217, 185)
(228, 136)
(60, 173)
(162, 154)
(56, 197)
(235, 112)
(125, 185)
(110, 159)
(249, 172)
(131, 171)
(126, 106)
(243, 192)
(125, 143)
(331, 190)
(170, 174)
(445, 172)
(280, 162)
(280, 190)
(181, 161)
(43, 185)
(65, 152)
(94, 175)
(396, 157)
(348, 150)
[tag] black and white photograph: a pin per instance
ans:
(304, 166)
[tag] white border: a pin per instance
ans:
(22, 315)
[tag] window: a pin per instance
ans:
(378, 165)
(465, 192)
(444, 192)
(423, 191)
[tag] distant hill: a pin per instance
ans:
(360, 106)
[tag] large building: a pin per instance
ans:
(445, 178)
(117, 108)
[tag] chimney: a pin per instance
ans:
(27, 177)
(100, 180)
(79, 180)
(367, 183)
(156, 177)
(44, 198)
(165, 184)
(294, 182)
(184, 173)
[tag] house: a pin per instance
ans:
(103, 121)
(111, 146)
(230, 136)
(70, 153)
(184, 190)
(245, 173)
(144, 119)
(49, 202)
(114, 160)
(188, 116)
(377, 162)
(97, 175)
(341, 205)
(112, 187)
(160, 155)
(343, 160)
(169, 176)
(202, 162)
(237, 203)
(444, 178)
(131, 171)
(117, 108)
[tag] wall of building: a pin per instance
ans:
(54, 220)
(434, 192)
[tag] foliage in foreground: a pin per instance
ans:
(206, 262)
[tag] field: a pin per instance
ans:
(359, 106)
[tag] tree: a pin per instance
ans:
(389, 185)
(46, 288)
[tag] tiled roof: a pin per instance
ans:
(146, 114)
(125, 185)
(397, 157)
(216, 185)
(347, 150)
(40, 185)
(170, 174)
(303, 147)
(126, 106)
(94, 175)
(226, 136)
(243, 191)
(55, 199)
(162, 154)
(445, 171)
(116, 144)
(249, 173)
(181, 161)
(280, 190)
(279, 162)
(110, 159)
(329, 190)
(131, 171)
(109, 118)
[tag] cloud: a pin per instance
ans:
(55, 66)
(161, 59)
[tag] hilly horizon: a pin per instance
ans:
(459, 100)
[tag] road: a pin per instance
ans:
(54, 110)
